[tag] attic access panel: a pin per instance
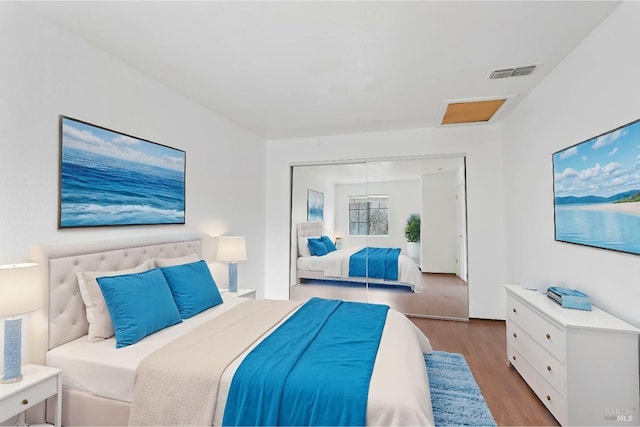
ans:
(472, 111)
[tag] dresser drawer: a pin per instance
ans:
(25, 399)
(551, 398)
(592, 359)
(547, 334)
(550, 368)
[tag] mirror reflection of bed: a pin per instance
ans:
(433, 284)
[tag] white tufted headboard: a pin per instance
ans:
(307, 229)
(62, 318)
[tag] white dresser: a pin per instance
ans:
(583, 365)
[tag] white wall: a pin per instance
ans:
(438, 231)
(485, 203)
(310, 178)
(404, 199)
(595, 89)
(47, 71)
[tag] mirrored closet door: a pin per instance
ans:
(368, 211)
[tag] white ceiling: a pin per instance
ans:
(288, 69)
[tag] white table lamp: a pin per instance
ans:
(232, 249)
(19, 294)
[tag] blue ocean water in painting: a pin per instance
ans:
(603, 229)
(102, 190)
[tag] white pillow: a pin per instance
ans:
(100, 326)
(303, 245)
(170, 262)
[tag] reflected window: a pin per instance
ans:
(369, 215)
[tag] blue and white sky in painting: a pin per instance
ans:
(93, 139)
(602, 166)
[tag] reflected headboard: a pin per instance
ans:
(307, 229)
(63, 317)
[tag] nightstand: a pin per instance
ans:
(242, 292)
(38, 383)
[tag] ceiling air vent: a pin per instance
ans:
(523, 71)
(512, 72)
(501, 74)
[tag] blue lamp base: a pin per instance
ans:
(12, 350)
(233, 277)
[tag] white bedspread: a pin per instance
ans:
(398, 394)
(399, 389)
(102, 369)
(336, 263)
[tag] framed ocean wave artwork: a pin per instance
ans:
(596, 186)
(315, 205)
(109, 178)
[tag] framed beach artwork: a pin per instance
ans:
(315, 205)
(596, 187)
(108, 178)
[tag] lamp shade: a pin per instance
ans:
(232, 249)
(19, 289)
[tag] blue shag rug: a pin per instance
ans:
(455, 396)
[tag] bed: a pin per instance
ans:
(334, 266)
(101, 383)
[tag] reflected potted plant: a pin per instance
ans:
(412, 234)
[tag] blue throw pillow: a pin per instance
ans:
(328, 243)
(139, 304)
(193, 287)
(317, 247)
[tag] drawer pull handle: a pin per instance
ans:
(25, 401)
(514, 310)
(548, 397)
(513, 357)
(548, 336)
(548, 368)
(515, 335)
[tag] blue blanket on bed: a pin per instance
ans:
(314, 369)
(377, 263)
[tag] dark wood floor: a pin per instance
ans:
(483, 344)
